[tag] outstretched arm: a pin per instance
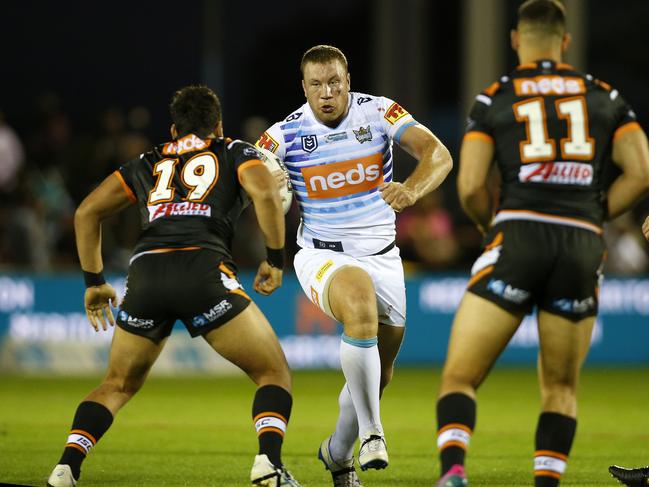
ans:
(434, 165)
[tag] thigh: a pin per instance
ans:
(572, 289)
(387, 274)
(564, 344)
(249, 342)
(480, 332)
(132, 356)
(315, 270)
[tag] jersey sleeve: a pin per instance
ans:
(479, 125)
(395, 119)
(244, 156)
(625, 117)
(127, 175)
(273, 140)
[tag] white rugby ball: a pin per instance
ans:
(273, 163)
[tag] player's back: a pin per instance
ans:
(553, 130)
(188, 193)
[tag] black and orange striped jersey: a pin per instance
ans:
(553, 130)
(188, 192)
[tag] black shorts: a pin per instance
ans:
(193, 286)
(558, 268)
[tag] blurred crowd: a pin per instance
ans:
(48, 166)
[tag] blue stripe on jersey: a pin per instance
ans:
(380, 211)
(352, 205)
(303, 195)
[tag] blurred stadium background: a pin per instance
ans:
(86, 87)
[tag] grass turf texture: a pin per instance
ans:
(197, 431)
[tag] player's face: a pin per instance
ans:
(326, 87)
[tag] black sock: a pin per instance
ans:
(455, 423)
(554, 435)
(90, 423)
(271, 411)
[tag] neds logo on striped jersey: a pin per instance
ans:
(343, 178)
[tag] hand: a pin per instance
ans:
(397, 195)
(97, 308)
(268, 279)
(280, 178)
(645, 228)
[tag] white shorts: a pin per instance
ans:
(315, 267)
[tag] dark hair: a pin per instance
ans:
(195, 110)
(543, 15)
(323, 54)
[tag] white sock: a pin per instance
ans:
(361, 365)
(342, 441)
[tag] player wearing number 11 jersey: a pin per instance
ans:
(552, 132)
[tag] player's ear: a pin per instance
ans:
(304, 87)
(515, 39)
(173, 131)
(219, 129)
(349, 80)
(565, 42)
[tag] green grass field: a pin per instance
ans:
(197, 431)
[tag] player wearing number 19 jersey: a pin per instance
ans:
(337, 148)
(553, 133)
(189, 194)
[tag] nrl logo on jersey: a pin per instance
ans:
(309, 143)
(363, 134)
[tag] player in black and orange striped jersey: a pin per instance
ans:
(553, 134)
(189, 192)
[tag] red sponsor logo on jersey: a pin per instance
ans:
(188, 143)
(185, 208)
(549, 85)
(557, 173)
(395, 113)
(267, 142)
(343, 178)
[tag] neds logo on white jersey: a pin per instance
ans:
(343, 178)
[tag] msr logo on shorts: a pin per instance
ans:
(134, 321)
(213, 314)
(185, 208)
(507, 291)
(557, 173)
(575, 305)
(343, 178)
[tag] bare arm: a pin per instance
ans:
(631, 154)
(434, 165)
(476, 157)
(261, 186)
(107, 199)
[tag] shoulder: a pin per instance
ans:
(293, 118)
(241, 147)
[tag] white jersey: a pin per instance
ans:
(336, 173)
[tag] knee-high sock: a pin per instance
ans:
(271, 410)
(455, 420)
(343, 439)
(90, 423)
(554, 435)
(361, 365)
